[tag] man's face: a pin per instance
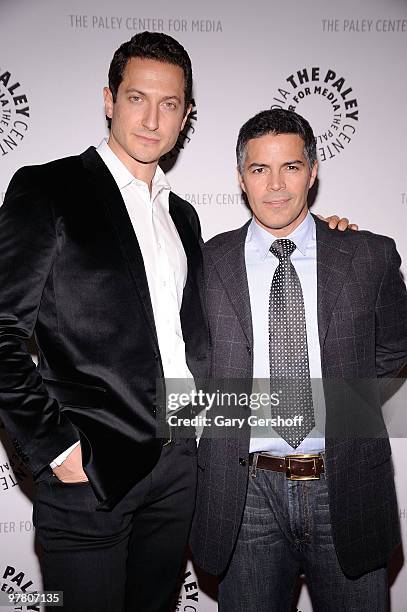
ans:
(276, 179)
(148, 114)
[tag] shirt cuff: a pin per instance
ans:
(61, 458)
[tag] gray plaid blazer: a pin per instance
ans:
(362, 320)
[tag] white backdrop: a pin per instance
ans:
(342, 66)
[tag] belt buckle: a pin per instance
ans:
(294, 476)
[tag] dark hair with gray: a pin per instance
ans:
(276, 121)
(151, 45)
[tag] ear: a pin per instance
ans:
(109, 104)
(187, 112)
(314, 173)
(241, 180)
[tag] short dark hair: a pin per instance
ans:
(276, 121)
(151, 45)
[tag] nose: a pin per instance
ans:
(275, 182)
(150, 117)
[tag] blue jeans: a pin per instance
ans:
(286, 531)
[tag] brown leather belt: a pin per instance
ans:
(295, 467)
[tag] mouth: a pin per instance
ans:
(277, 203)
(147, 139)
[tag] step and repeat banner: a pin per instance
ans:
(341, 65)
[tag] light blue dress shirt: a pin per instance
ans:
(261, 265)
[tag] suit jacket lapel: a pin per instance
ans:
(334, 257)
(189, 242)
(105, 189)
(229, 260)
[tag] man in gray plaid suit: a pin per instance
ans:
(286, 296)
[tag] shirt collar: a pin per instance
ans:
(301, 236)
(123, 176)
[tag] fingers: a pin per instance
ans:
(341, 224)
(335, 222)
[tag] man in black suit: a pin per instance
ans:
(102, 262)
(292, 302)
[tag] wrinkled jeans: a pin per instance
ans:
(286, 531)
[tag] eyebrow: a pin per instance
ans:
(135, 90)
(295, 161)
(257, 165)
(287, 163)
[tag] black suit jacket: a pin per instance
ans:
(71, 271)
(362, 320)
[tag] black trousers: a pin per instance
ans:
(127, 559)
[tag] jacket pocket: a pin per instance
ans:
(377, 451)
(76, 394)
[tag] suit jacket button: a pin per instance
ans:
(242, 461)
(249, 349)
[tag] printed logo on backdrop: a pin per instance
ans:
(132, 23)
(358, 26)
(326, 98)
(12, 474)
(15, 580)
(212, 199)
(188, 598)
(14, 112)
(12, 527)
(12, 469)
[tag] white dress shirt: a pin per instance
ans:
(165, 263)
